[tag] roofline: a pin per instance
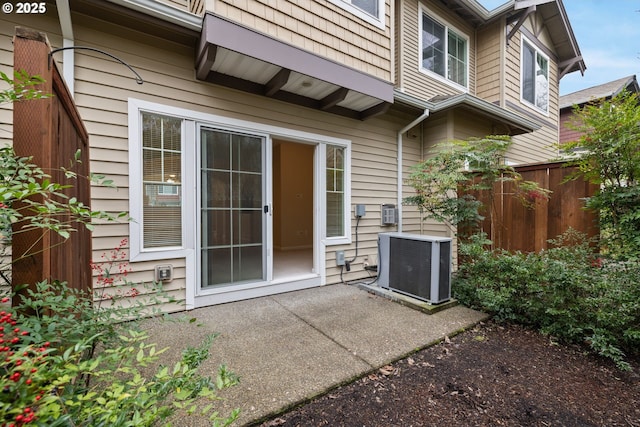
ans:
(164, 12)
(630, 80)
(471, 101)
(487, 107)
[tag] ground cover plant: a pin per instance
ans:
(569, 292)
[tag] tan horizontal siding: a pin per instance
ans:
(319, 27)
(103, 86)
(537, 146)
(489, 65)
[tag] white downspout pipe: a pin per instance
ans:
(423, 116)
(68, 58)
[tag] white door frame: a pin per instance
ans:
(191, 212)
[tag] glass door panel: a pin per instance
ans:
(232, 217)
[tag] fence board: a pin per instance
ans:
(50, 131)
(515, 227)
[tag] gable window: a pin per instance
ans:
(535, 77)
(443, 51)
(161, 181)
(371, 11)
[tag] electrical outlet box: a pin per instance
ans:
(164, 273)
(339, 258)
(360, 211)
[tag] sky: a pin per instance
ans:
(608, 35)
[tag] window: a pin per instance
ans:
(444, 52)
(372, 7)
(371, 11)
(161, 179)
(335, 169)
(535, 77)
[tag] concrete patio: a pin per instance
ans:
(290, 347)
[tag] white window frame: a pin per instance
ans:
(346, 237)
(538, 52)
(190, 212)
(136, 186)
(378, 21)
(444, 79)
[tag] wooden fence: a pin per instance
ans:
(516, 227)
(50, 131)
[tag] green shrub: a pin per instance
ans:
(567, 292)
(71, 364)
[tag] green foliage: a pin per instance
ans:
(568, 292)
(21, 87)
(53, 374)
(29, 197)
(66, 360)
(464, 167)
(609, 155)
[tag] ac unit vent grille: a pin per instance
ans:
(415, 265)
(411, 268)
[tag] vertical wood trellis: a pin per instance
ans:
(50, 131)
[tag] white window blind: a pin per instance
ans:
(162, 177)
(335, 170)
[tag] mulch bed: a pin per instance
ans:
(492, 375)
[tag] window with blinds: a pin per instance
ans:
(162, 177)
(335, 168)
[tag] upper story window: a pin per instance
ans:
(535, 77)
(371, 11)
(444, 51)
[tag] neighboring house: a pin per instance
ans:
(593, 94)
(261, 125)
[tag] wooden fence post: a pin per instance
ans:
(31, 138)
(50, 131)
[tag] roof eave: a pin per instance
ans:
(506, 116)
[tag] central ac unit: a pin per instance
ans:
(415, 265)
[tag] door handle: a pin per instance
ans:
(265, 208)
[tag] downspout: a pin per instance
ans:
(68, 64)
(423, 116)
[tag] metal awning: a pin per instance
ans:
(239, 57)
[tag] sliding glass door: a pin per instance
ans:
(232, 208)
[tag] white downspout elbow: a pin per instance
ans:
(423, 116)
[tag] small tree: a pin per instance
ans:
(476, 164)
(609, 155)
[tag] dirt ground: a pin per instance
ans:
(493, 375)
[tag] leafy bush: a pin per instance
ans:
(609, 156)
(568, 292)
(71, 364)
